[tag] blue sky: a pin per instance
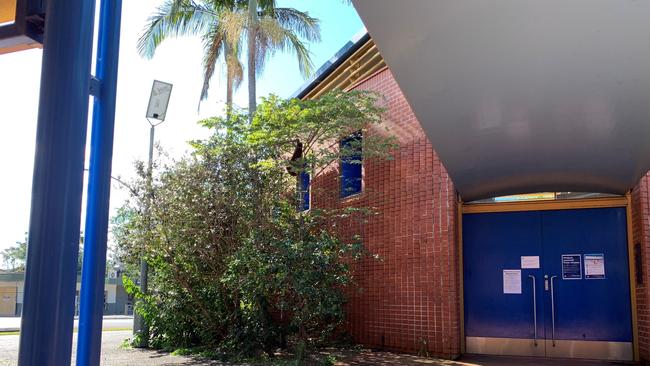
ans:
(177, 61)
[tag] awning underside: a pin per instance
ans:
(524, 96)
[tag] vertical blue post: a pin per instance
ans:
(51, 276)
(99, 186)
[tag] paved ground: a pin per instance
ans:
(367, 358)
(527, 361)
(114, 355)
(122, 322)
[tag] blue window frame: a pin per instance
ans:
(351, 164)
(304, 185)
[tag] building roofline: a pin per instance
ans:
(333, 63)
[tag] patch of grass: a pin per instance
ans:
(126, 344)
(184, 352)
(212, 355)
(330, 360)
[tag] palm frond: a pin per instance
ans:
(213, 44)
(175, 18)
(293, 43)
(235, 68)
(268, 41)
(234, 24)
(273, 37)
(299, 22)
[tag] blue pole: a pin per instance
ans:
(99, 186)
(50, 280)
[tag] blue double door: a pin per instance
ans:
(548, 283)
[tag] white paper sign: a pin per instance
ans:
(512, 281)
(594, 266)
(529, 261)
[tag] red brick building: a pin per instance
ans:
(426, 296)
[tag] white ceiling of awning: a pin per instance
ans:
(524, 96)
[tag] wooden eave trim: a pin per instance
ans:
(545, 205)
(363, 62)
(374, 71)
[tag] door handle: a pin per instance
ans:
(534, 309)
(552, 312)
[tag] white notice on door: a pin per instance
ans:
(594, 266)
(512, 281)
(529, 261)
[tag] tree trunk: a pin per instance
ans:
(252, 37)
(229, 80)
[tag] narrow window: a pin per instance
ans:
(351, 164)
(304, 185)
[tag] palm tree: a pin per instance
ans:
(252, 51)
(187, 17)
(223, 24)
(270, 29)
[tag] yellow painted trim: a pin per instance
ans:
(7, 11)
(461, 295)
(348, 72)
(630, 257)
(360, 65)
(379, 68)
(545, 205)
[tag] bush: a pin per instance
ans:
(234, 267)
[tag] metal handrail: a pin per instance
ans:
(534, 309)
(552, 312)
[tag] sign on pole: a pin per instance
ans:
(160, 93)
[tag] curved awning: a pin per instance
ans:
(523, 96)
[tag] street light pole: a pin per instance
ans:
(158, 102)
(91, 297)
(139, 324)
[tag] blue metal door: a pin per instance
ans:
(593, 305)
(579, 304)
(493, 243)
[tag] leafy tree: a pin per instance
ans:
(235, 266)
(222, 24)
(15, 257)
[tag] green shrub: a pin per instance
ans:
(234, 267)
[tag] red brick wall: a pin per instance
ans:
(641, 235)
(410, 298)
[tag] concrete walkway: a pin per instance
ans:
(367, 358)
(114, 355)
(477, 360)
